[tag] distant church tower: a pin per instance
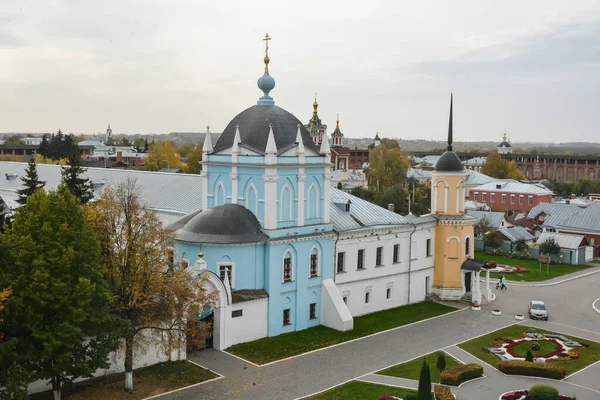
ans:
(504, 147)
(316, 128)
(454, 231)
(337, 134)
(108, 136)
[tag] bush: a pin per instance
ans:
(441, 363)
(529, 356)
(532, 369)
(525, 256)
(457, 375)
(498, 251)
(442, 393)
(513, 254)
(543, 392)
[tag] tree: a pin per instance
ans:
(390, 143)
(514, 172)
(482, 226)
(162, 155)
(491, 240)
(31, 182)
(57, 320)
(339, 185)
(550, 246)
(495, 166)
(521, 245)
(387, 167)
(194, 157)
(529, 356)
(71, 176)
(424, 382)
(3, 296)
(58, 146)
(363, 193)
(148, 291)
(441, 363)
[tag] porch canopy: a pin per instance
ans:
(471, 264)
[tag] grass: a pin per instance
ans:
(596, 261)
(587, 355)
(269, 349)
(546, 347)
(356, 390)
(533, 274)
(412, 369)
(148, 381)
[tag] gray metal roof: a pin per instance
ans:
(477, 178)
(169, 193)
(584, 219)
(513, 187)
(515, 233)
(495, 217)
(242, 295)
(471, 264)
(572, 242)
(449, 162)
(254, 130)
(362, 213)
(555, 213)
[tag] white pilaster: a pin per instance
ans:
(234, 184)
(435, 199)
(446, 196)
(271, 211)
(204, 182)
(301, 181)
(476, 292)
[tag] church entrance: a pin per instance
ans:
(468, 279)
(200, 332)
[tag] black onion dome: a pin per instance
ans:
(449, 162)
(504, 143)
(226, 224)
(254, 130)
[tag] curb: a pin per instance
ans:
(515, 283)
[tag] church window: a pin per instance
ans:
(285, 204)
(379, 256)
(287, 268)
(388, 293)
(360, 261)
(252, 200)
(171, 255)
(340, 262)
(314, 263)
(468, 247)
(220, 195)
(428, 248)
(396, 253)
(313, 202)
(313, 311)
(287, 317)
(229, 269)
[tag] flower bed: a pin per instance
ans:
(506, 269)
(523, 395)
(563, 349)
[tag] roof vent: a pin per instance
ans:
(391, 207)
(498, 186)
(11, 176)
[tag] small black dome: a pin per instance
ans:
(448, 162)
(504, 144)
(226, 224)
(254, 130)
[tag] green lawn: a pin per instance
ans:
(269, 349)
(356, 390)
(588, 355)
(546, 347)
(412, 369)
(533, 274)
(148, 381)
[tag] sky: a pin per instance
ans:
(530, 67)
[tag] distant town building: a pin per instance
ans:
(511, 195)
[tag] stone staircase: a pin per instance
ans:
(466, 299)
(432, 297)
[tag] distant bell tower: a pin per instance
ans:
(337, 134)
(315, 126)
(108, 137)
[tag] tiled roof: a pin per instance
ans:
(515, 233)
(565, 241)
(174, 193)
(514, 187)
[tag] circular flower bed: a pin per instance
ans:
(524, 395)
(507, 269)
(545, 347)
(520, 317)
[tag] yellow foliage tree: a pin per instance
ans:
(162, 155)
(3, 296)
(387, 167)
(514, 172)
(495, 166)
(192, 165)
(151, 291)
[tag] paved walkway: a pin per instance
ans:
(314, 372)
(595, 268)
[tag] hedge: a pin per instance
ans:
(457, 375)
(543, 392)
(442, 393)
(532, 369)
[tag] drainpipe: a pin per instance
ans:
(335, 256)
(410, 257)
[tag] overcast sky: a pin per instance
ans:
(531, 67)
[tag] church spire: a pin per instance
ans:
(315, 105)
(266, 83)
(449, 148)
(207, 147)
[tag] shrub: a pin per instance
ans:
(441, 363)
(498, 251)
(457, 375)
(513, 254)
(524, 256)
(543, 392)
(532, 369)
(442, 393)
(529, 356)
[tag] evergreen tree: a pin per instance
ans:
(146, 146)
(31, 182)
(424, 382)
(441, 363)
(529, 356)
(57, 324)
(44, 148)
(71, 176)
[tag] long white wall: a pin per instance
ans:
(251, 325)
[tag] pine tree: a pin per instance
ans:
(424, 382)
(529, 356)
(71, 176)
(31, 182)
(441, 363)
(44, 148)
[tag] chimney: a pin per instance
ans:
(119, 156)
(568, 201)
(391, 207)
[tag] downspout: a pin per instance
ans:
(410, 257)
(335, 256)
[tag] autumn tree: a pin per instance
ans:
(194, 157)
(72, 177)
(162, 155)
(482, 226)
(387, 167)
(58, 326)
(31, 182)
(514, 172)
(153, 294)
(495, 166)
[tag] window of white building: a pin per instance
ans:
(368, 298)
(388, 293)
(428, 248)
(360, 260)
(396, 253)
(340, 262)
(379, 257)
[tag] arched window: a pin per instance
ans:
(468, 247)
(288, 267)
(314, 262)
(285, 204)
(313, 202)
(220, 195)
(252, 200)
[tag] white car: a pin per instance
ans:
(538, 310)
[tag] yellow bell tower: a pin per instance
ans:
(454, 230)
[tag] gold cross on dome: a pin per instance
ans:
(266, 39)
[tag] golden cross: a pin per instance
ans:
(266, 39)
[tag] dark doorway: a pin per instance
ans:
(468, 282)
(426, 285)
(200, 332)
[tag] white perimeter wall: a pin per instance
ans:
(250, 326)
(153, 355)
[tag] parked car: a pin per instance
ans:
(538, 310)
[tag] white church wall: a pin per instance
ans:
(250, 325)
(153, 354)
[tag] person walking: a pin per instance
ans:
(502, 282)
